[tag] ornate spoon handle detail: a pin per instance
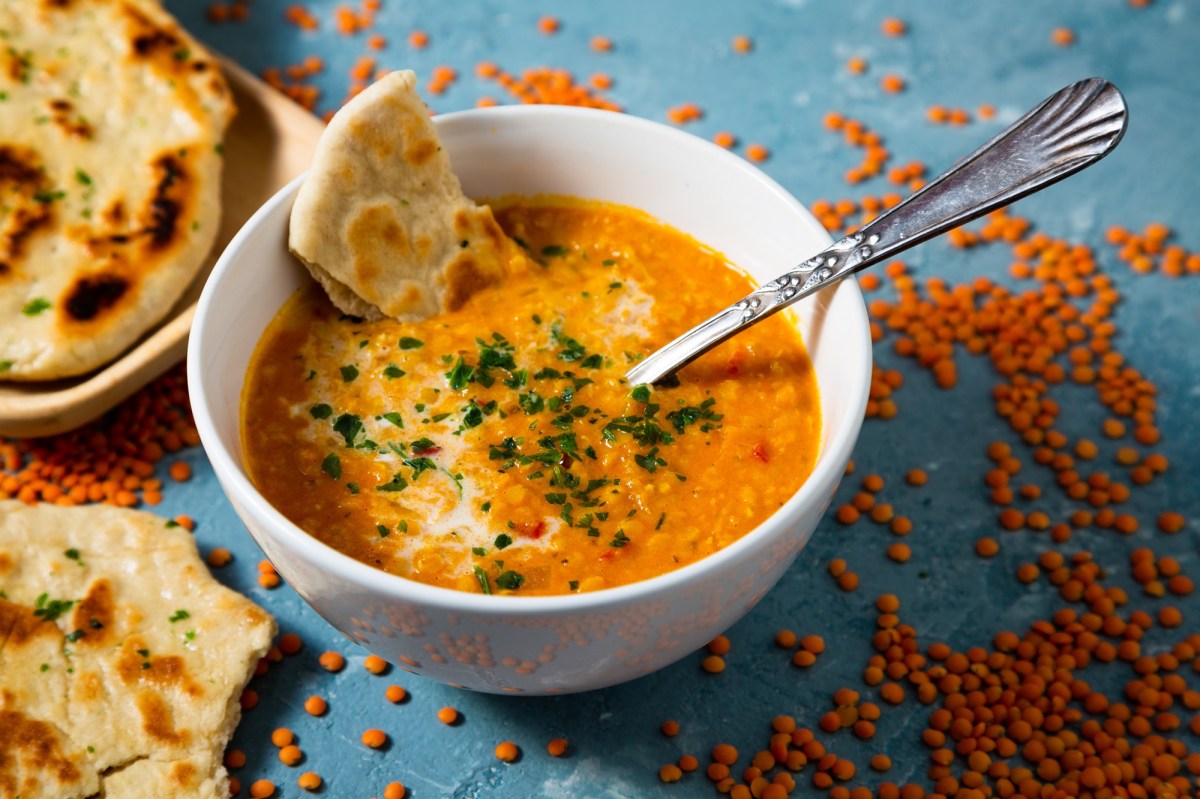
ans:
(1068, 131)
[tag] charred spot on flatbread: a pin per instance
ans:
(167, 203)
(91, 296)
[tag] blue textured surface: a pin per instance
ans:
(666, 53)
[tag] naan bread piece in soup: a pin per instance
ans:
(381, 221)
(121, 659)
(110, 169)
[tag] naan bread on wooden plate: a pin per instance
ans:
(381, 221)
(111, 120)
(121, 658)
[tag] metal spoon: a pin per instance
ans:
(1068, 131)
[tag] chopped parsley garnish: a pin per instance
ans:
(332, 466)
(482, 577)
(73, 554)
(422, 445)
(531, 402)
(36, 306)
(383, 531)
(179, 615)
(51, 609)
(650, 461)
(480, 551)
(571, 350)
(348, 426)
(619, 540)
(419, 466)
(554, 251)
(510, 580)
(321, 411)
(5, 366)
(392, 371)
(349, 372)
(397, 483)
(394, 418)
(460, 375)
(410, 343)
(661, 519)
(503, 540)
(691, 414)
(485, 507)
(83, 177)
(641, 393)
(47, 197)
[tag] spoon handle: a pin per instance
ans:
(1068, 131)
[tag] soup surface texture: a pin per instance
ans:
(498, 448)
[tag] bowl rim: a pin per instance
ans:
(357, 575)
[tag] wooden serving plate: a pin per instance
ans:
(270, 141)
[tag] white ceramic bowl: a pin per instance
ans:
(541, 645)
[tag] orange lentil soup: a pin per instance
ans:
(499, 449)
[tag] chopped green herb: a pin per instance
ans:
(352, 487)
(36, 306)
(482, 577)
(554, 251)
(74, 636)
(83, 177)
(321, 411)
(383, 531)
(392, 371)
(394, 418)
(480, 551)
(332, 466)
(179, 615)
(50, 609)
(5, 366)
(349, 372)
(460, 374)
(661, 519)
(503, 540)
(73, 554)
(47, 197)
(348, 426)
(422, 445)
(573, 585)
(397, 483)
(510, 580)
(619, 540)
(650, 461)
(410, 343)
(486, 507)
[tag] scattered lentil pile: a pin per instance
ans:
(115, 460)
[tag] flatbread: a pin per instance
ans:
(132, 688)
(110, 129)
(381, 221)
